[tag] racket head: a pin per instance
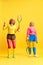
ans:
(19, 18)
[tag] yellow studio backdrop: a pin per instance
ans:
(30, 10)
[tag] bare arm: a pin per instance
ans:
(4, 26)
(27, 35)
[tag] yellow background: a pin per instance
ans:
(30, 10)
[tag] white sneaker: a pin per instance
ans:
(30, 55)
(35, 55)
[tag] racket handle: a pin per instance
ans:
(19, 25)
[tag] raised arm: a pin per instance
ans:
(4, 26)
(17, 29)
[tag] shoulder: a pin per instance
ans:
(28, 28)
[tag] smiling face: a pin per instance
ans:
(12, 21)
(31, 24)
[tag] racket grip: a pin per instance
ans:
(19, 25)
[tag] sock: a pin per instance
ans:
(8, 53)
(14, 55)
(34, 50)
(29, 50)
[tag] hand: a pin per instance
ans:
(4, 24)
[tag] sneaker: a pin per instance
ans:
(14, 56)
(35, 55)
(8, 55)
